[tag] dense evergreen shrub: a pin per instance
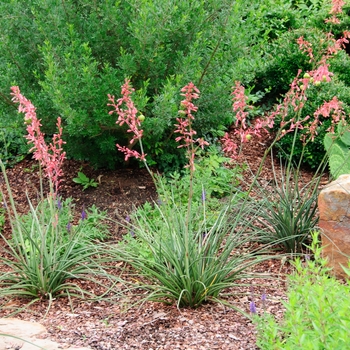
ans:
(67, 56)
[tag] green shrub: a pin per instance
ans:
(13, 145)
(94, 46)
(316, 315)
(281, 61)
(70, 70)
(340, 66)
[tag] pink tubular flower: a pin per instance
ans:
(127, 116)
(325, 111)
(184, 125)
(239, 105)
(337, 8)
(242, 129)
(305, 47)
(50, 156)
(322, 74)
(229, 147)
(131, 153)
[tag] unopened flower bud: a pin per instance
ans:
(317, 83)
(324, 78)
(248, 137)
(307, 76)
(141, 118)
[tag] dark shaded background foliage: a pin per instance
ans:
(66, 56)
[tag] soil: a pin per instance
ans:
(101, 325)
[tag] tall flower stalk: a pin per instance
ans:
(187, 137)
(127, 113)
(50, 156)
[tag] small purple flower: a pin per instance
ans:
(59, 204)
(307, 257)
(203, 195)
(127, 219)
(69, 227)
(252, 307)
(159, 201)
(132, 234)
(83, 214)
(263, 299)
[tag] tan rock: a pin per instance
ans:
(25, 335)
(334, 208)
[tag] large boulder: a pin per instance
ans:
(334, 208)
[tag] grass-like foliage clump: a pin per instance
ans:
(44, 257)
(188, 256)
(287, 207)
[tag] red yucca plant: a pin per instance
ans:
(43, 257)
(185, 254)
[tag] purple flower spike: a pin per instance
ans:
(69, 227)
(252, 307)
(127, 218)
(83, 214)
(263, 299)
(203, 196)
(59, 204)
(132, 234)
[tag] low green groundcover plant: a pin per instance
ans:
(317, 310)
(84, 181)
